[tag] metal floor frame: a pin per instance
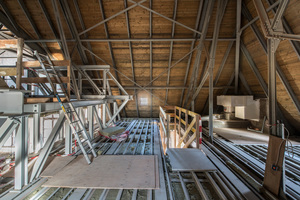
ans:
(144, 139)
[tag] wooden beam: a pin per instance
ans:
(36, 63)
(9, 44)
(3, 83)
(20, 47)
(44, 80)
(29, 100)
(9, 71)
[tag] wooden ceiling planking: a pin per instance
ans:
(161, 28)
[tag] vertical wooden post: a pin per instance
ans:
(20, 47)
(69, 76)
(179, 125)
(186, 119)
(197, 131)
(175, 128)
(168, 131)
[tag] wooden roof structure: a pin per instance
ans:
(141, 40)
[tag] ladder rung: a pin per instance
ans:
(79, 131)
(74, 122)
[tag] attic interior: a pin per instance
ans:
(149, 99)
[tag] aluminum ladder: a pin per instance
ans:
(77, 127)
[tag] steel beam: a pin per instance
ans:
(7, 129)
(72, 27)
(9, 22)
(117, 112)
(221, 39)
(33, 25)
(286, 26)
(199, 50)
(220, 14)
(41, 160)
(280, 73)
(131, 57)
(99, 122)
(90, 112)
(151, 56)
(60, 29)
(141, 87)
(110, 48)
(211, 61)
(263, 84)
(272, 97)
(192, 46)
(21, 154)
(237, 45)
(244, 82)
(171, 47)
(49, 21)
(111, 17)
(75, 2)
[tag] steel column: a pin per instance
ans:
(220, 11)
(131, 58)
(104, 115)
(192, 46)
(272, 46)
(90, 112)
(68, 138)
(237, 44)
(171, 47)
(21, 154)
(37, 140)
(199, 50)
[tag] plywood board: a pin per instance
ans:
(56, 165)
(189, 160)
(243, 136)
(112, 131)
(109, 172)
(275, 155)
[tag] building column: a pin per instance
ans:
(21, 154)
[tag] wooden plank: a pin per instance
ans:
(19, 63)
(186, 132)
(3, 84)
(8, 44)
(56, 165)
(44, 80)
(36, 64)
(112, 131)
(189, 160)
(275, 155)
(29, 100)
(9, 71)
(108, 172)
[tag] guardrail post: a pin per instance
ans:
(168, 131)
(197, 131)
(179, 125)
